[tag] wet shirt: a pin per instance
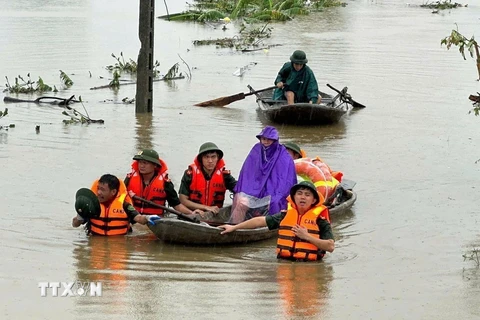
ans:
(273, 222)
(229, 180)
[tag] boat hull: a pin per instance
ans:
(278, 111)
(178, 231)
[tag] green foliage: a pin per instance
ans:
(250, 10)
(473, 255)
(42, 87)
(172, 72)
(67, 82)
(459, 40)
(75, 117)
(121, 65)
(476, 109)
(441, 5)
(320, 4)
(115, 83)
(130, 67)
(248, 37)
(28, 86)
(3, 113)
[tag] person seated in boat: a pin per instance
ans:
(296, 82)
(206, 180)
(294, 150)
(268, 171)
(303, 233)
(149, 180)
(106, 208)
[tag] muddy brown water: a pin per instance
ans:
(412, 152)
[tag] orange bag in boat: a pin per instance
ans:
(317, 172)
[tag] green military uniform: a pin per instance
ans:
(302, 83)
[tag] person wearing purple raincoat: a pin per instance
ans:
(268, 170)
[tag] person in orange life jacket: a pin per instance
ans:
(149, 180)
(205, 181)
(303, 234)
(106, 208)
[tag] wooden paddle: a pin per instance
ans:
(180, 215)
(347, 97)
(223, 101)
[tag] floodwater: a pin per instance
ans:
(412, 152)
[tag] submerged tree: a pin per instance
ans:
(459, 40)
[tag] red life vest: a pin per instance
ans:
(113, 220)
(155, 191)
(207, 192)
(291, 247)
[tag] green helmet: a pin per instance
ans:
(148, 155)
(305, 184)
(209, 147)
(299, 57)
(87, 204)
(294, 147)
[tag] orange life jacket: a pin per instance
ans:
(207, 192)
(113, 220)
(155, 191)
(291, 247)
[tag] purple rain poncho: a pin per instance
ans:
(268, 171)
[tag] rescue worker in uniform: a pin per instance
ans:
(106, 208)
(206, 180)
(296, 81)
(149, 180)
(303, 233)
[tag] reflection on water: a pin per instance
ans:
(144, 130)
(304, 288)
(411, 151)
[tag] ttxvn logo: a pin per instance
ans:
(70, 289)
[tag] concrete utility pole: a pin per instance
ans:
(144, 96)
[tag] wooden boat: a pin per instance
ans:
(179, 231)
(330, 110)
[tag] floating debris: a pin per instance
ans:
(241, 71)
(441, 5)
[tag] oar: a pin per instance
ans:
(179, 214)
(348, 98)
(223, 101)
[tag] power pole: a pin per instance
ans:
(144, 95)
